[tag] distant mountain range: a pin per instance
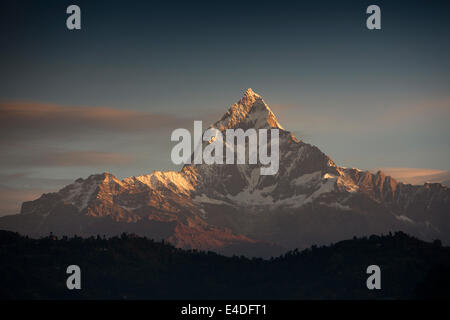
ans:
(235, 210)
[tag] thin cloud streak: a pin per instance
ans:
(308, 120)
(36, 135)
(417, 176)
(417, 111)
(37, 121)
(84, 158)
(11, 199)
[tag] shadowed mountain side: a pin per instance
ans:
(310, 200)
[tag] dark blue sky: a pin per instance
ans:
(144, 54)
(367, 98)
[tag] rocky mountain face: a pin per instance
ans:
(233, 209)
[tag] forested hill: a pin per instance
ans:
(130, 267)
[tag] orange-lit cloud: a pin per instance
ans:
(417, 176)
(81, 158)
(37, 120)
(414, 111)
(308, 120)
(11, 198)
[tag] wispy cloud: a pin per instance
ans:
(11, 198)
(417, 176)
(17, 187)
(309, 120)
(31, 180)
(48, 135)
(37, 120)
(416, 111)
(45, 158)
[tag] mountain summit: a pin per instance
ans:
(233, 209)
(249, 112)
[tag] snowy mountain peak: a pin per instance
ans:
(249, 98)
(251, 93)
(309, 200)
(249, 112)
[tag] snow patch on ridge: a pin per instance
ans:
(404, 218)
(164, 180)
(306, 179)
(203, 198)
(79, 193)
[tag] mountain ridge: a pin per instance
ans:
(310, 200)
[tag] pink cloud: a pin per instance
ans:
(18, 119)
(417, 176)
(46, 158)
(11, 198)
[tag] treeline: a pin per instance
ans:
(131, 267)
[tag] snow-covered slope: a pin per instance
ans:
(309, 200)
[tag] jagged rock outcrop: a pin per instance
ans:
(310, 200)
